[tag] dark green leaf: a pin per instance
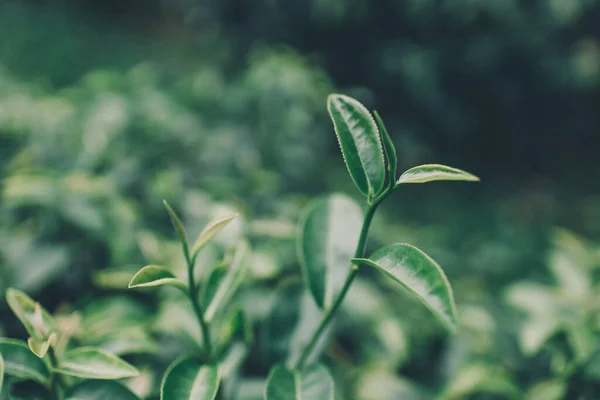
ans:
(153, 275)
(389, 149)
(211, 230)
(93, 363)
(328, 236)
(101, 390)
(209, 289)
(435, 172)
(177, 224)
(37, 321)
(421, 275)
(359, 141)
(314, 383)
(21, 363)
(189, 379)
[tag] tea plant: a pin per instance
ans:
(330, 266)
(49, 366)
(199, 376)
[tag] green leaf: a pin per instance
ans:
(236, 327)
(153, 275)
(480, 378)
(313, 383)
(93, 363)
(547, 390)
(421, 275)
(40, 348)
(126, 341)
(230, 283)
(328, 235)
(389, 149)
(37, 321)
(435, 172)
(101, 390)
(177, 224)
(189, 379)
(209, 289)
(21, 363)
(359, 141)
(211, 230)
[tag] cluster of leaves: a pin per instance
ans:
(50, 365)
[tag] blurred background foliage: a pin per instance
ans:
(107, 107)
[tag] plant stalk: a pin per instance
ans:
(359, 253)
(55, 384)
(193, 290)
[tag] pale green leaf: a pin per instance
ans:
(421, 275)
(93, 363)
(230, 282)
(314, 382)
(37, 321)
(382, 384)
(154, 275)
(1, 372)
(481, 378)
(189, 379)
(101, 390)
(435, 172)
(127, 341)
(177, 224)
(547, 390)
(21, 363)
(40, 348)
(389, 150)
(211, 230)
(328, 235)
(359, 141)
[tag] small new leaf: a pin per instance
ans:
(314, 383)
(421, 275)
(189, 379)
(211, 230)
(360, 143)
(390, 150)
(40, 348)
(153, 275)
(435, 172)
(177, 224)
(37, 321)
(93, 363)
(21, 363)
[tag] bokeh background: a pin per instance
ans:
(109, 106)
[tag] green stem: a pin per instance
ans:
(55, 384)
(193, 291)
(359, 253)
